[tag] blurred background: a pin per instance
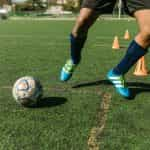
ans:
(48, 8)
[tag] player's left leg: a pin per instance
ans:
(78, 36)
(90, 10)
(136, 49)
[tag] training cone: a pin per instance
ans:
(127, 35)
(140, 69)
(115, 44)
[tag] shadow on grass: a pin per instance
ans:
(138, 87)
(135, 87)
(94, 83)
(123, 47)
(51, 102)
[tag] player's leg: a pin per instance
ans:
(137, 48)
(143, 20)
(88, 14)
(78, 37)
(139, 45)
(80, 30)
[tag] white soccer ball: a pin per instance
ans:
(27, 91)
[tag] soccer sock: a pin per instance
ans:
(77, 44)
(134, 52)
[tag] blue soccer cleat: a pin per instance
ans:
(119, 82)
(67, 70)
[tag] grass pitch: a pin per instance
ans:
(69, 111)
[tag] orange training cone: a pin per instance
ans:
(115, 44)
(127, 35)
(140, 69)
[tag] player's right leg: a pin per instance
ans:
(78, 37)
(137, 48)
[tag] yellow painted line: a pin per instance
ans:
(96, 132)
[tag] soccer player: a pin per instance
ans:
(90, 10)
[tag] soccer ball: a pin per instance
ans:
(27, 91)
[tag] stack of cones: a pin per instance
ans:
(140, 69)
(127, 35)
(116, 44)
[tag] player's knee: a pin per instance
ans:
(145, 33)
(81, 27)
(80, 32)
(82, 21)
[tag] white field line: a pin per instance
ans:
(30, 36)
(101, 18)
(94, 44)
(6, 87)
(46, 36)
(108, 45)
(43, 18)
(64, 90)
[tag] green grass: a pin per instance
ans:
(64, 121)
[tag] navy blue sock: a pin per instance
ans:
(76, 47)
(134, 52)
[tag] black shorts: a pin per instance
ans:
(132, 6)
(106, 6)
(100, 6)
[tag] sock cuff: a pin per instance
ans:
(138, 46)
(134, 52)
(78, 38)
(72, 37)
